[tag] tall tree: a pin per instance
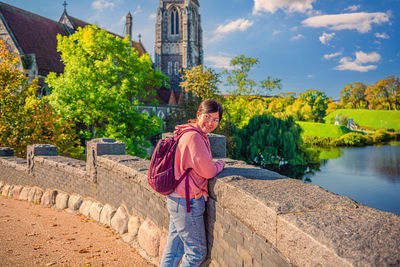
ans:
(201, 81)
(104, 80)
(24, 118)
(240, 81)
(353, 95)
(384, 94)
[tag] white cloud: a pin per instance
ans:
(103, 4)
(352, 21)
(237, 25)
(309, 76)
(219, 62)
(271, 6)
(297, 37)
(329, 56)
(325, 37)
(352, 8)
(276, 32)
(137, 10)
(357, 64)
(382, 35)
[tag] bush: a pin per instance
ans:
(318, 140)
(268, 140)
(381, 136)
(352, 139)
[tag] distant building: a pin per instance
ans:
(33, 37)
(178, 43)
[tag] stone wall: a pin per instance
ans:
(254, 217)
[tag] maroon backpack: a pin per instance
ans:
(161, 171)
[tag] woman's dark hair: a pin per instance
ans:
(210, 106)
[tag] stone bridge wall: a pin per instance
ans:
(254, 217)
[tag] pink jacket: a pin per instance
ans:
(194, 152)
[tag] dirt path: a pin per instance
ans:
(32, 235)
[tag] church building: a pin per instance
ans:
(178, 43)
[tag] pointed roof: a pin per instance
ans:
(28, 29)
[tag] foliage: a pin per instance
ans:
(241, 83)
(24, 118)
(352, 139)
(309, 106)
(104, 80)
(281, 102)
(381, 136)
(240, 109)
(353, 95)
(201, 81)
(384, 94)
(269, 140)
(375, 119)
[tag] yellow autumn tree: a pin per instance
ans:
(26, 119)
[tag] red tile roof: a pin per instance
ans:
(36, 34)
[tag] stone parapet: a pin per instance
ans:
(254, 217)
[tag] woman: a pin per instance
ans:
(187, 236)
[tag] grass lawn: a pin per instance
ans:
(374, 119)
(322, 129)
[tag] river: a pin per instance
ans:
(369, 175)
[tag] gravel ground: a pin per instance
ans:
(32, 235)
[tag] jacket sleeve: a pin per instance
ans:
(198, 157)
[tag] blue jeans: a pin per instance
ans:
(186, 235)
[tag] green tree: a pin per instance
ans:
(104, 81)
(24, 118)
(269, 140)
(239, 80)
(310, 106)
(353, 95)
(201, 81)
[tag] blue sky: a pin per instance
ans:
(309, 44)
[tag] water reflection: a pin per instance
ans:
(370, 175)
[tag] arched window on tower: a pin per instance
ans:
(177, 23)
(172, 22)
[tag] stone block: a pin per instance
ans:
(75, 202)
(98, 147)
(10, 190)
(31, 194)
(358, 237)
(24, 193)
(1, 185)
(49, 198)
(61, 201)
(119, 221)
(6, 152)
(149, 238)
(133, 225)
(38, 195)
(6, 189)
(85, 208)
(16, 191)
(38, 150)
(95, 210)
(106, 214)
(217, 145)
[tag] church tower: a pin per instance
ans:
(178, 43)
